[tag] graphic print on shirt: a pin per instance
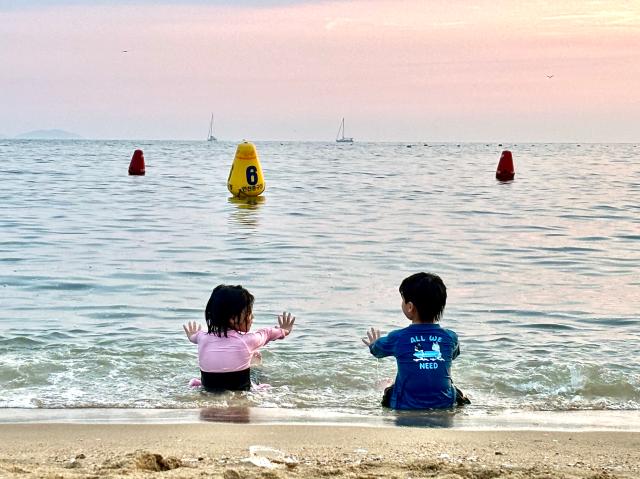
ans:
(422, 355)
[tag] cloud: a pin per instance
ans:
(598, 18)
(338, 22)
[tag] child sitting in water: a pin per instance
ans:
(423, 351)
(225, 352)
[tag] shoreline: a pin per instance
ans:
(235, 451)
(470, 420)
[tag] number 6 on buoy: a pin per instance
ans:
(245, 177)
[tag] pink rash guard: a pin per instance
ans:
(233, 353)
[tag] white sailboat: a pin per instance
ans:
(340, 138)
(210, 136)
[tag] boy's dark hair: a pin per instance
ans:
(226, 302)
(428, 294)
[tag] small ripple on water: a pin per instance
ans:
(546, 326)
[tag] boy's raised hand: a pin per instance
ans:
(285, 322)
(372, 336)
(191, 328)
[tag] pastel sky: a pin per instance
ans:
(414, 70)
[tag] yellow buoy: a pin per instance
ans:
(245, 177)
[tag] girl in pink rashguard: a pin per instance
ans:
(226, 350)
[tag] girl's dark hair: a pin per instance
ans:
(428, 294)
(226, 302)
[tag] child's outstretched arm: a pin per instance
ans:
(191, 329)
(262, 336)
(285, 322)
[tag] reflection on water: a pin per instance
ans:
(232, 414)
(441, 419)
(245, 414)
(511, 420)
(246, 213)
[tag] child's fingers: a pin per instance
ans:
(372, 336)
(191, 328)
(285, 318)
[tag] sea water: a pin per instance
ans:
(99, 270)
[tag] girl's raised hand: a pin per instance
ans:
(372, 336)
(285, 322)
(191, 328)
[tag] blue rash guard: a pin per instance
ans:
(424, 353)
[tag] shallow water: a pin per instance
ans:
(98, 270)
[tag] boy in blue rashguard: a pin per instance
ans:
(423, 351)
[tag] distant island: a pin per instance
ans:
(49, 135)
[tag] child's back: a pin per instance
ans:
(225, 362)
(226, 351)
(423, 351)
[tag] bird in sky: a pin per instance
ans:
(549, 76)
(125, 51)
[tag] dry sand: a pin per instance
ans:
(234, 451)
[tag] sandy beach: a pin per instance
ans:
(234, 451)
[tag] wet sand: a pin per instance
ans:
(233, 451)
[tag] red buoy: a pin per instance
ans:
(136, 167)
(505, 171)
